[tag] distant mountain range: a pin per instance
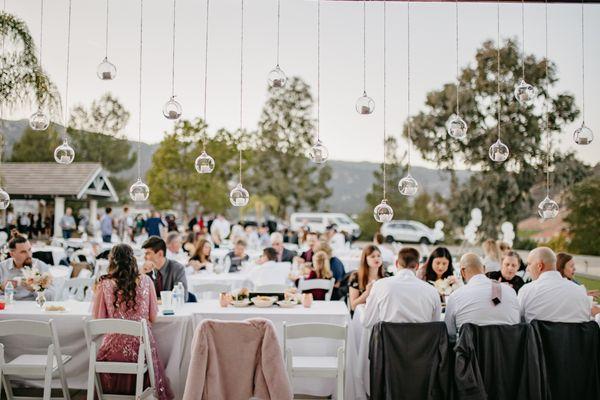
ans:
(350, 182)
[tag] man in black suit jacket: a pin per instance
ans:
(283, 254)
(164, 273)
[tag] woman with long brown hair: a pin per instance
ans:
(370, 270)
(124, 293)
(200, 258)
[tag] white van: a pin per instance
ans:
(318, 222)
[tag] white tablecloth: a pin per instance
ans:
(236, 280)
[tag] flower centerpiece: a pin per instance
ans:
(38, 281)
(446, 286)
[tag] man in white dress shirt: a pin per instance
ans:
(268, 271)
(550, 297)
(175, 250)
(403, 297)
(481, 301)
(221, 227)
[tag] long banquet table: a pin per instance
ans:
(174, 336)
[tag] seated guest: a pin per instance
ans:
(125, 294)
(263, 236)
(337, 239)
(11, 269)
(403, 297)
(566, 266)
(438, 266)
(200, 259)
(165, 274)
(550, 297)
(369, 270)
(481, 301)
(312, 241)
(320, 270)
(508, 271)
(237, 256)
(268, 271)
(283, 254)
(386, 253)
(492, 254)
(336, 266)
(174, 248)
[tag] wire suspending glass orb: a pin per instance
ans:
(525, 93)
(548, 208)
(64, 154)
(139, 191)
(383, 212)
(204, 163)
(39, 121)
(106, 70)
(239, 197)
(583, 135)
(4, 199)
(318, 153)
(172, 109)
(408, 186)
(456, 127)
(499, 151)
(277, 77)
(365, 105)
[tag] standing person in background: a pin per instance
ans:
(154, 224)
(337, 239)
(222, 226)
(171, 223)
(125, 225)
(492, 254)
(196, 220)
(263, 236)
(106, 225)
(67, 223)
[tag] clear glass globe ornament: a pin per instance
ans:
(408, 186)
(64, 154)
(276, 77)
(139, 191)
(106, 70)
(318, 153)
(172, 109)
(499, 151)
(239, 197)
(4, 199)
(583, 135)
(39, 121)
(383, 212)
(525, 93)
(548, 208)
(456, 127)
(204, 163)
(365, 105)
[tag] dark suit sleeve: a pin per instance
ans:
(337, 268)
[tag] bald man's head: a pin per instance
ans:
(471, 265)
(540, 260)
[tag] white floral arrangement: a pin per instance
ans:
(38, 281)
(446, 286)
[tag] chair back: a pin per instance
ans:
(79, 289)
(314, 330)
(25, 327)
(273, 288)
(309, 284)
(209, 290)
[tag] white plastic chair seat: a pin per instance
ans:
(32, 364)
(317, 366)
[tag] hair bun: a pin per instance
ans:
(14, 233)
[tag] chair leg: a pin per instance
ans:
(7, 387)
(91, 376)
(340, 386)
(48, 374)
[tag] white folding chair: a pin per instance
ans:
(309, 284)
(317, 366)
(79, 289)
(273, 288)
(201, 289)
(97, 327)
(33, 366)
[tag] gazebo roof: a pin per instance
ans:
(39, 180)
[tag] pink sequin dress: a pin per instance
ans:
(124, 348)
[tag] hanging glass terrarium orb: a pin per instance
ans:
(4, 199)
(139, 191)
(172, 109)
(64, 154)
(525, 93)
(204, 163)
(365, 105)
(239, 197)
(39, 121)
(456, 127)
(383, 212)
(277, 78)
(106, 70)
(548, 208)
(583, 135)
(408, 186)
(318, 153)
(499, 151)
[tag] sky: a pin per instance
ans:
(348, 136)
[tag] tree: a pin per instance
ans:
(284, 137)
(173, 181)
(501, 190)
(584, 216)
(22, 80)
(36, 146)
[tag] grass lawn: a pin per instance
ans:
(590, 284)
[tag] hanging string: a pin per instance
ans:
(318, 70)
(173, 46)
(41, 31)
(66, 115)
(523, 37)
(139, 145)
(498, 71)
(365, 47)
(384, 97)
(2, 108)
(278, 20)
(106, 32)
(582, 67)
(241, 83)
(408, 80)
(457, 75)
(205, 73)
(546, 107)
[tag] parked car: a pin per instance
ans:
(318, 222)
(410, 231)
